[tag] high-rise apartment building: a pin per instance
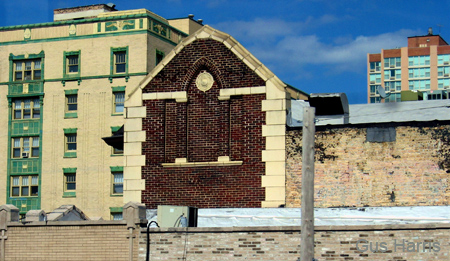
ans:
(62, 88)
(419, 71)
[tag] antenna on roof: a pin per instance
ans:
(439, 26)
(382, 92)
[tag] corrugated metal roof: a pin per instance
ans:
(411, 111)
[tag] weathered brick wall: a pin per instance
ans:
(402, 243)
(203, 129)
(70, 242)
(412, 171)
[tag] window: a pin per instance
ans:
(70, 147)
(25, 147)
(119, 100)
(443, 59)
(70, 182)
(375, 99)
(119, 60)
(159, 56)
(116, 213)
(419, 85)
(26, 108)
(444, 71)
(393, 86)
(375, 78)
(117, 183)
(115, 151)
(392, 74)
(443, 83)
(374, 89)
(116, 216)
(419, 73)
(392, 62)
(72, 103)
(72, 64)
(375, 66)
(419, 60)
(71, 140)
(26, 70)
(394, 97)
(24, 186)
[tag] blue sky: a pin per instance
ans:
(313, 45)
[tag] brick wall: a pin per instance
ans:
(202, 130)
(86, 240)
(412, 171)
(400, 242)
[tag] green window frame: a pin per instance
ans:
(25, 147)
(118, 102)
(116, 213)
(26, 108)
(70, 143)
(71, 104)
(72, 64)
(119, 60)
(117, 183)
(116, 180)
(25, 186)
(70, 182)
(27, 69)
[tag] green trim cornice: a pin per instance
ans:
(90, 20)
(68, 38)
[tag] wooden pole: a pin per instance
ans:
(307, 228)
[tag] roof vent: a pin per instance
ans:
(329, 103)
(111, 5)
(191, 16)
(200, 21)
(430, 31)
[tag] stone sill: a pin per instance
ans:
(182, 163)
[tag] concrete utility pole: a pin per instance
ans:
(307, 228)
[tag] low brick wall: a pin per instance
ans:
(378, 242)
(77, 240)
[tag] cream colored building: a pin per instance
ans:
(62, 88)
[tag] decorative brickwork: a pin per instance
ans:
(202, 130)
(349, 171)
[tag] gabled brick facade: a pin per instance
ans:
(203, 129)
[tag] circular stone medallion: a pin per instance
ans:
(204, 81)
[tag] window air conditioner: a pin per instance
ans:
(372, 81)
(446, 75)
(392, 78)
(25, 154)
(446, 63)
(392, 66)
(446, 87)
(372, 70)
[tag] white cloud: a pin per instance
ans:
(310, 49)
(290, 45)
(270, 29)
